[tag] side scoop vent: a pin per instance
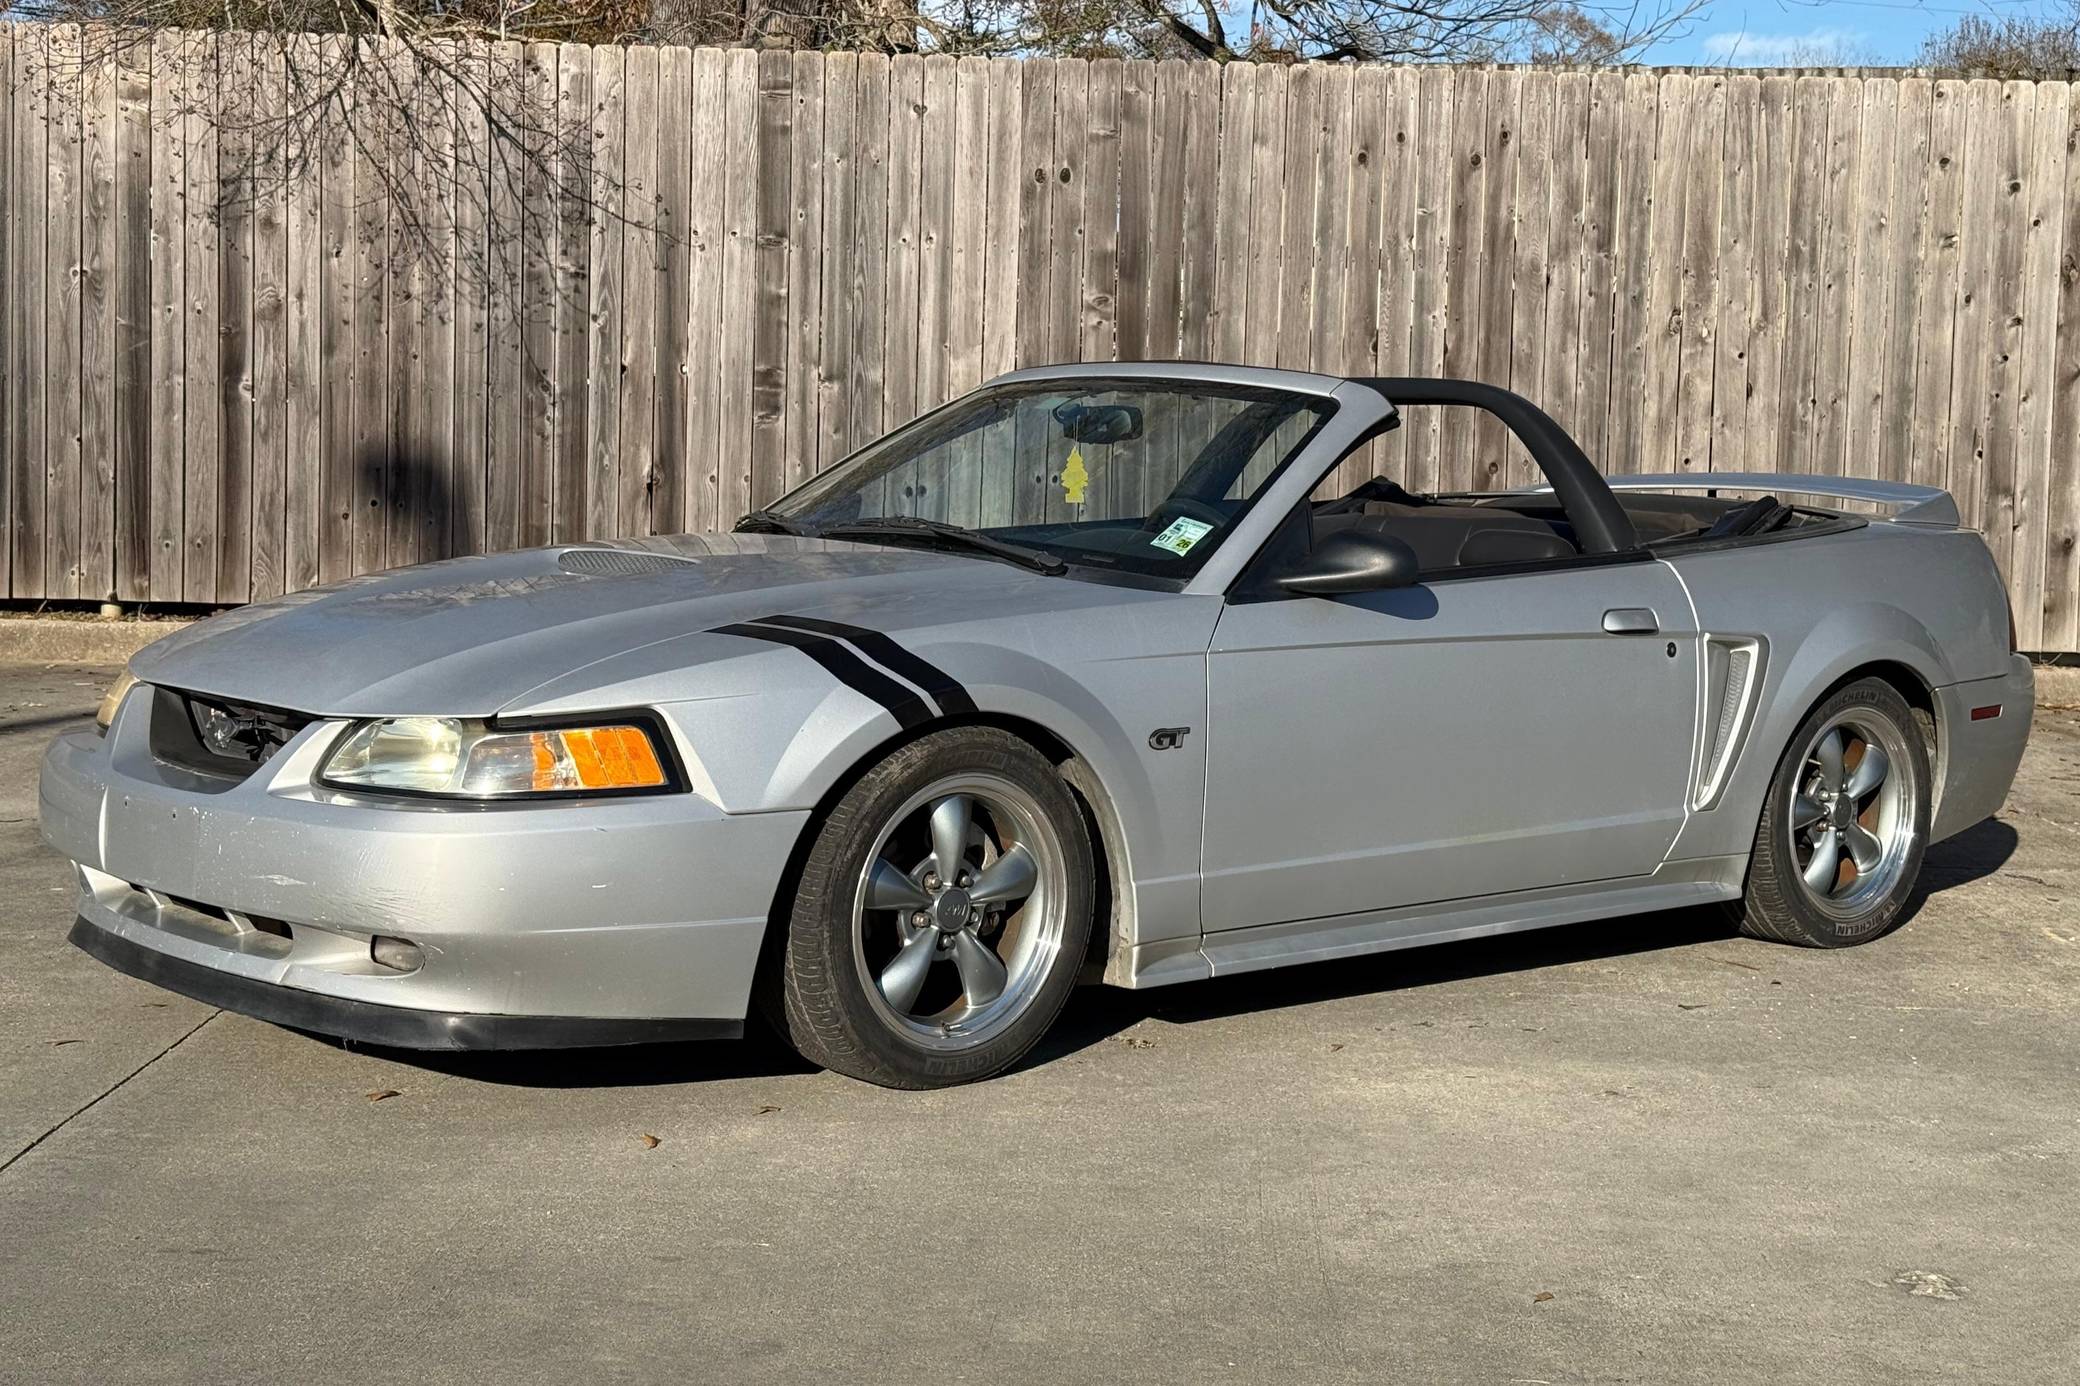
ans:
(1733, 676)
(618, 563)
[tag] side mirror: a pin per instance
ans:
(1354, 560)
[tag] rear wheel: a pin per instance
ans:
(941, 915)
(1842, 833)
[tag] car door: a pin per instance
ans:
(1454, 739)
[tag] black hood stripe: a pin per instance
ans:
(947, 691)
(846, 666)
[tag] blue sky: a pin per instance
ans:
(1766, 33)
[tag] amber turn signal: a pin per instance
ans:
(595, 758)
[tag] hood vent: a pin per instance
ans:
(618, 563)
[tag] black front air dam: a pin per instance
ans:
(399, 1027)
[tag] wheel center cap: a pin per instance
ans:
(950, 910)
(1844, 812)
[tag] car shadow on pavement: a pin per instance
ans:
(1096, 1014)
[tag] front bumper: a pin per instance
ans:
(539, 924)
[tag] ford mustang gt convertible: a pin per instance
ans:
(1090, 673)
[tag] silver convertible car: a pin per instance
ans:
(1088, 673)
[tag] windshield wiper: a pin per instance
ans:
(767, 522)
(941, 534)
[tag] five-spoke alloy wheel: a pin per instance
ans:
(1845, 824)
(941, 915)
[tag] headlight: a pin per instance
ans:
(440, 755)
(113, 699)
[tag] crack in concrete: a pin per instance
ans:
(110, 1092)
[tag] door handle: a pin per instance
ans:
(1631, 620)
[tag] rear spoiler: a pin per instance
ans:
(1917, 505)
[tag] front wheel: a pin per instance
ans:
(941, 915)
(1846, 822)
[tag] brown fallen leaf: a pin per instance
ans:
(1334, 1047)
(649, 1141)
(1690, 1005)
(1542, 1296)
(380, 1093)
(767, 1110)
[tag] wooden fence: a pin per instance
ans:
(209, 398)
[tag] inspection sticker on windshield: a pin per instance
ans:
(1181, 535)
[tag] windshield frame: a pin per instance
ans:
(1315, 394)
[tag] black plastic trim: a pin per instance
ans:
(400, 1027)
(946, 690)
(848, 667)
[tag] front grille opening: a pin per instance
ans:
(207, 911)
(210, 736)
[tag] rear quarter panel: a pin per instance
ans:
(1929, 600)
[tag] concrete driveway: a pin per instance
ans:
(1642, 1151)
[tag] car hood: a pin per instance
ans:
(467, 637)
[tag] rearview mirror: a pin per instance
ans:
(1098, 423)
(1354, 560)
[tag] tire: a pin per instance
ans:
(878, 976)
(1840, 841)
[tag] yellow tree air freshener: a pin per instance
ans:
(1074, 477)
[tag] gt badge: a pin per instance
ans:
(1167, 738)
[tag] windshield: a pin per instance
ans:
(1140, 476)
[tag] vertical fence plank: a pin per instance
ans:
(872, 120)
(339, 264)
(468, 441)
(1698, 284)
(1566, 244)
(1295, 321)
(1836, 305)
(135, 422)
(1660, 379)
(11, 334)
(2061, 623)
(733, 489)
(607, 286)
(692, 181)
(1870, 296)
(62, 322)
(1066, 173)
(536, 154)
(370, 305)
(1971, 373)
(1000, 276)
(1436, 162)
(1467, 286)
(1531, 200)
(100, 167)
(1329, 279)
(201, 112)
(267, 570)
(938, 133)
(905, 212)
(234, 324)
(1802, 323)
(1035, 224)
(1099, 272)
(805, 251)
(1775, 146)
(2000, 515)
(1137, 100)
(573, 120)
(2044, 192)
(1909, 252)
(1601, 214)
(1937, 288)
(642, 371)
(1736, 274)
(831, 417)
(1201, 241)
(1233, 198)
(509, 438)
(29, 334)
